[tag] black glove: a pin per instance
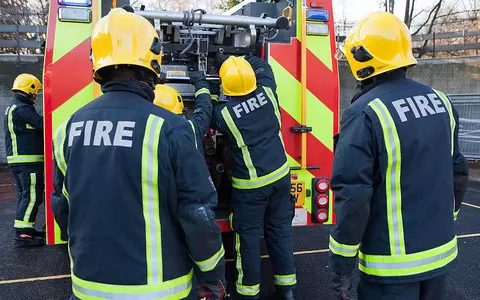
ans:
(211, 290)
(196, 76)
(220, 59)
(342, 287)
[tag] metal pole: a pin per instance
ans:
(171, 16)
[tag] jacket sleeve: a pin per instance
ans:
(59, 202)
(196, 199)
(352, 184)
(30, 116)
(201, 117)
(460, 168)
(263, 71)
(217, 116)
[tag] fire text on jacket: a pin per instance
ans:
(418, 106)
(104, 134)
(250, 105)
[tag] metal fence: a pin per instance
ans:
(468, 107)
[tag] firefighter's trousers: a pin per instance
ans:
(431, 289)
(30, 188)
(269, 209)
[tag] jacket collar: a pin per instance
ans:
(135, 87)
(23, 98)
(368, 84)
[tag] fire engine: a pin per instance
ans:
(298, 40)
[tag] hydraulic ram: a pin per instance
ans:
(171, 16)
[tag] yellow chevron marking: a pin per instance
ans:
(68, 36)
(319, 116)
(78, 100)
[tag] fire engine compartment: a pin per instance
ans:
(191, 45)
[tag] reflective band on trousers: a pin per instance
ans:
(285, 280)
(33, 197)
(178, 288)
(23, 224)
(240, 143)
(212, 262)
(408, 264)
(11, 129)
(21, 159)
(447, 104)
(150, 199)
(263, 180)
(343, 249)
(248, 290)
(392, 180)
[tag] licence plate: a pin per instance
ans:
(298, 191)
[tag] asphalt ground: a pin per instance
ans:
(43, 273)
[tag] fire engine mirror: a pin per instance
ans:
(75, 15)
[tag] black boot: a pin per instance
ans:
(283, 295)
(25, 240)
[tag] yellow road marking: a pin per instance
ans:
(471, 205)
(227, 260)
(34, 279)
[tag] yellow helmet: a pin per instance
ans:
(378, 43)
(124, 38)
(237, 76)
(168, 98)
(28, 84)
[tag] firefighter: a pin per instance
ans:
(261, 199)
(398, 175)
(200, 119)
(24, 148)
(130, 190)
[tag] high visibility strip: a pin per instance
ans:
(240, 143)
(455, 214)
(11, 129)
(448, 105)
(177, 288)
(202, 91)
(150, 199)
(238, 263)
(77, 101)
(248, 290)
(343, 249)
(321, 81)
(69, 41)
(212, 262)
(23, 224)
(409, 264)
(262, 180)
(21, 159)
(28, 126)
(319, 116)
(194, 134)
(285, 280)
(392, 180)
(62, 87)
(58, 144)
(33, 197)
(317, 153)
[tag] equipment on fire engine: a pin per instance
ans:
(320, 200)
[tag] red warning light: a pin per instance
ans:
(322, 200)
(322, 215)
(322, 185)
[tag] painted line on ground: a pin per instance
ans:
(22, 280)
(471, 205)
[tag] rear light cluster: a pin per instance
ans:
(320, 199)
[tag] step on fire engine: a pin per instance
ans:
(296, 38)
